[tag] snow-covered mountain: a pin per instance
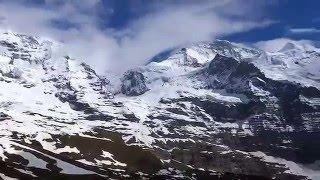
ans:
(215, 110)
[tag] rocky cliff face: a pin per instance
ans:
(209, 110)
(133, 83)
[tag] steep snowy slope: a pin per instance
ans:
(220, 93)
(214, 109)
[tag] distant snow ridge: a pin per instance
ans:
(215, 109)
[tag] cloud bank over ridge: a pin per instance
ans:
(78, 25)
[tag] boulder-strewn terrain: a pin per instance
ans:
(215, 110)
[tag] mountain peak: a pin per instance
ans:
(290, 46)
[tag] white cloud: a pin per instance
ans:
(156, 32)
(168, 26)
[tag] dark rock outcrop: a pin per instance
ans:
(14, 73)
(133, 83)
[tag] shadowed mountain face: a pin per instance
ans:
(214, 110)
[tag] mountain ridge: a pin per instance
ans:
(210, 108)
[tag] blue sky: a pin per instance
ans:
(132, 31)
(296, 19)
(288, 14)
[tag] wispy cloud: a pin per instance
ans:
(168, 25)
(304, 30)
